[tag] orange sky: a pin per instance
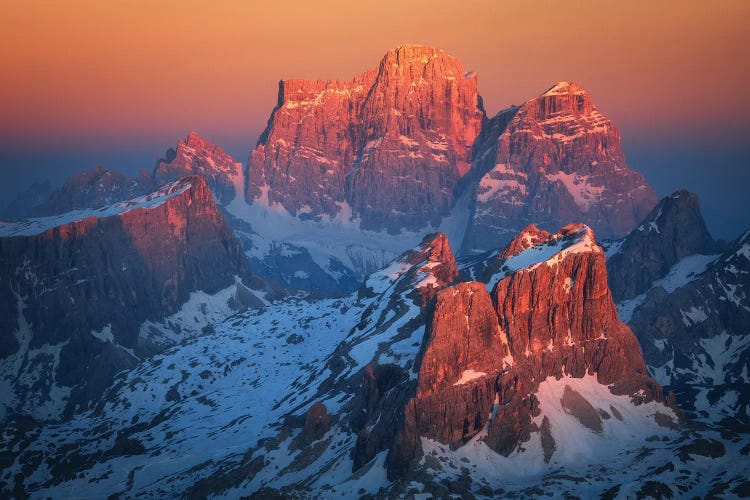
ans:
(129, 70)
(117, 82)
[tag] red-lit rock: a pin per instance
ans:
(392, 143)
(196, 155)
(558, 159)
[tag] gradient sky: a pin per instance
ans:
(117, 82)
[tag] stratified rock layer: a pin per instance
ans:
(392, 143)
(485, 353)
(552, 160)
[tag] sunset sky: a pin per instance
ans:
(117, 82)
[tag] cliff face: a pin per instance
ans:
(674, 229)
(554, 159)
(81, 284)
(391, 144)
(549, 313)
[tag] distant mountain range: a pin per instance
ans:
(347, 174)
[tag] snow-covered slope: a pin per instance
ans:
(332, 255)
(229, 413)
(686, 299)
(225, 399)
(89, 293)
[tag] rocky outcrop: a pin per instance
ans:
(317, 423)
(404, 295)
(673, 230)
(196, 155)
(554, 159)
(685, 297)
(79, 289)
(550, 314)
(391, 144)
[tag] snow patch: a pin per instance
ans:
(469, 375)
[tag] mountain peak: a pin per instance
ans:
(559, 144)
(94, 188)
(528, 237)
(392, 142)
(194, 138)
(440, 261)
(409, 53)
(673, 230)
(418, 64)
(684, 195)
(563, 88)
(197, 155)
(679, 211)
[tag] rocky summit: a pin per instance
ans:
(554, 159)
(390, 144)
(685, 297)
(197, 156)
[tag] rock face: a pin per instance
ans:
(196, 155)
(673, 230)
(554, 159)
(549, 314)
(391, 144)
(78, 290)
(697, 333)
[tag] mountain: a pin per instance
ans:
(684, 296)
(84, 293)
(672, 231)
(554, 159)
(93, 189)
(694, 329)
(347, 174)
(422, 383)
(197, 156)
(101, 186)
(389, 146)
(548, 317)
(406, 149)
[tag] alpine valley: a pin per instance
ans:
(396, 296)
